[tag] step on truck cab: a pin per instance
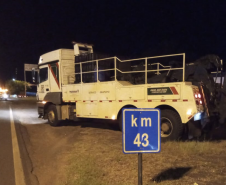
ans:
(81, 84)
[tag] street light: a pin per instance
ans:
(13, 79)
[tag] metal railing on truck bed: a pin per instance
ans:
(136, 71)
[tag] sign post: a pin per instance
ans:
(29, 67)
(141, 133)
(139, 168)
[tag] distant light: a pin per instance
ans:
(113, 117)
(13, 79)
(43, 102)
(199, 95)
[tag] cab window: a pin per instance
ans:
(43, 74)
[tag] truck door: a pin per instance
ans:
(43, 87)
(54, 79)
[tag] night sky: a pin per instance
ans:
(133, 28)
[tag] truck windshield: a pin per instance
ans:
(43, 74)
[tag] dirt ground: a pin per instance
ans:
(90, 153)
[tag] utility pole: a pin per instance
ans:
(16, 74)
(25, 87)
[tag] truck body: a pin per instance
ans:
(75, 84)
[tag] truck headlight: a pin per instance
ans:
(5, 96)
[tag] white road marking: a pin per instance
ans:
(18, 168)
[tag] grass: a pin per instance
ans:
(189, 147)
(97, 159)
(85, 171)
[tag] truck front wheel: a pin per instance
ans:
(52, 115)
(171, 125)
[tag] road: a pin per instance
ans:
(23, 147)
(16, 166)
(6, 154)
(35, 151)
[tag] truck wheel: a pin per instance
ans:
(171, 125)
(120, 121)
(52, 116)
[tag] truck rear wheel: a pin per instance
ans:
(120, 121)
(171, 125)
(52, 116)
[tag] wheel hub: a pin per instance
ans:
(166, 127)
(51, 116)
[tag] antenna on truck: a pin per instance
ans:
(82, 48)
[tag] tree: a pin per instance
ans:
(16, 87)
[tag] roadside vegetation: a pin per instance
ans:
(16, 86)
(97, 159)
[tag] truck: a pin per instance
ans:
(76, 84)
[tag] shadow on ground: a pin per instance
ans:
(218, 133)
(171, 174)
(215, 134)
(92, 123)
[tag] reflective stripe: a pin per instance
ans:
(173, 89)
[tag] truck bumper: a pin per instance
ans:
(40, 109)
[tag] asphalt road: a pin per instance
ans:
(15, 163)
(6, 153)
(35, 153)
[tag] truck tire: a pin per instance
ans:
(52, 116)
(171, 125)
(120, 121)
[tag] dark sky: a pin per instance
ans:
(29, 29)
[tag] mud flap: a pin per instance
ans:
(58, 108)
(194, 128)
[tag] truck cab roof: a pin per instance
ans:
(56, 55)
